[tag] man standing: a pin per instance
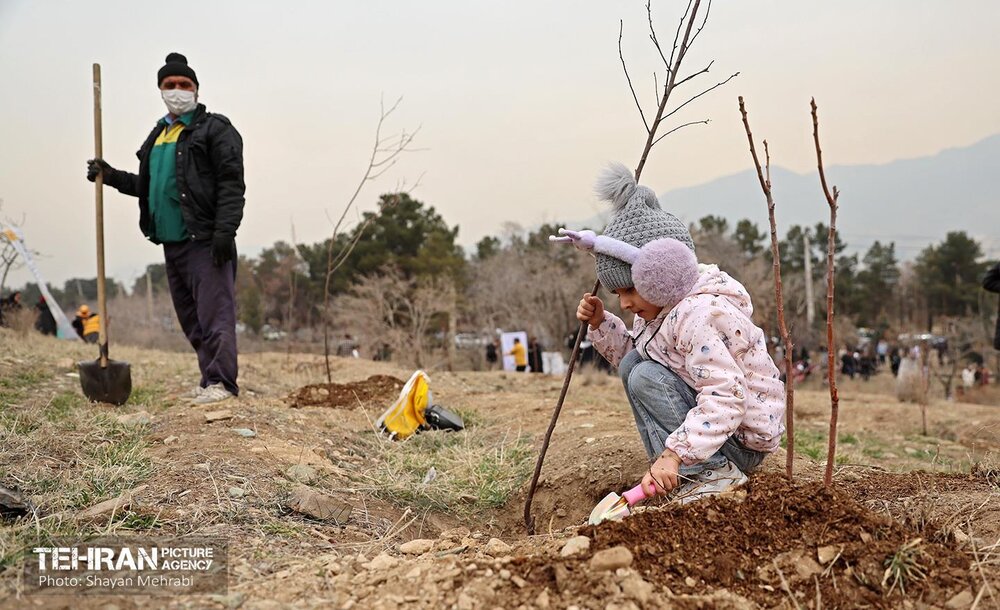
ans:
(520, 356)
(190, 189)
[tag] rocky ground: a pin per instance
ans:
(320, 511)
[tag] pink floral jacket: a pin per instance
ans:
(709, 340)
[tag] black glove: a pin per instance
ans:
(223, 249)
(98, 166)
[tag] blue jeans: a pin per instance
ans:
(660, 401)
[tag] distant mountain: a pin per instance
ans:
(913, 202)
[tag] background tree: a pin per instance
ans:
(877, 282)
(950, 274)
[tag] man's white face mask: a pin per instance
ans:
(179, 101)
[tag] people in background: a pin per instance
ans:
(491, 354)
(534, 355)
(9, 306)
(87, 324)
(45, 323)
(520, 355)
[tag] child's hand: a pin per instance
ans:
(590, 310)
(662, 475)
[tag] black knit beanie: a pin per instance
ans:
(177, 65)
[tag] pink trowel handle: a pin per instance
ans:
(635, 495)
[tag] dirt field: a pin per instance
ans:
(912, 521)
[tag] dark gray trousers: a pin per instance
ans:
(205, 301)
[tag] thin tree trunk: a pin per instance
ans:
(765, 185)
(831, 199)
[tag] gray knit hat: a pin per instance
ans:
(637, 219)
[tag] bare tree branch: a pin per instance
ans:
(621, 26)
(702, 122)
(669, 86)
(702, 71)
(765, 185)
(652, 34)
(831, 199)
(708, 9)
(693, 98)
(385, 153)
(677, 35)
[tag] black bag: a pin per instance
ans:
(439, 418)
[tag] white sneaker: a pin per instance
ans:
(194, 392)
(212, 394)
(709, 483)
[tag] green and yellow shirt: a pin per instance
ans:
(164, 199)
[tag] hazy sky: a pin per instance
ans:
(520, 102)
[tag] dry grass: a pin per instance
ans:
(478, 469)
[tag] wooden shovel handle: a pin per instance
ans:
(102, 305)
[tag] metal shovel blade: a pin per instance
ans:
(612, 508)
(111, 383)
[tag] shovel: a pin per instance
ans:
(614, 507)
(103, 380)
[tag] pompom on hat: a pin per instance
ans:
(643, 246)
(176, 65)
(638, 219)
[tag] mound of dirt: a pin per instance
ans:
(778, 540)
(383, 388)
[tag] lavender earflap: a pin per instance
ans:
(664, 270)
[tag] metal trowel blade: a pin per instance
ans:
(612, 508)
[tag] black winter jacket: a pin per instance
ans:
(209, 177)
(992, 283)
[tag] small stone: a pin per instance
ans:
(416, 547)
(542, 601)
(586, 426)
(589, 440)
(382, 561)
(504, 574)
(233, 600)
(465, 602)
(611, 559)
(236, 492)
(638, 589)
(577, 544)
(866, 537)
(497, 547)
(319, 506)
(213, 416)
(471, 567)
(962, 600)
(561, 513)
(455, 533)
(690, 582)
(960, 536)
(414, 574)
(826, 554)
(301, 473)
(245, 432)
(518, 581)
(170, 440)
(139, 418)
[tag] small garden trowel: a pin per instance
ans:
(614, 507)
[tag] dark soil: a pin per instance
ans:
(383, 388)
(747, 545)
